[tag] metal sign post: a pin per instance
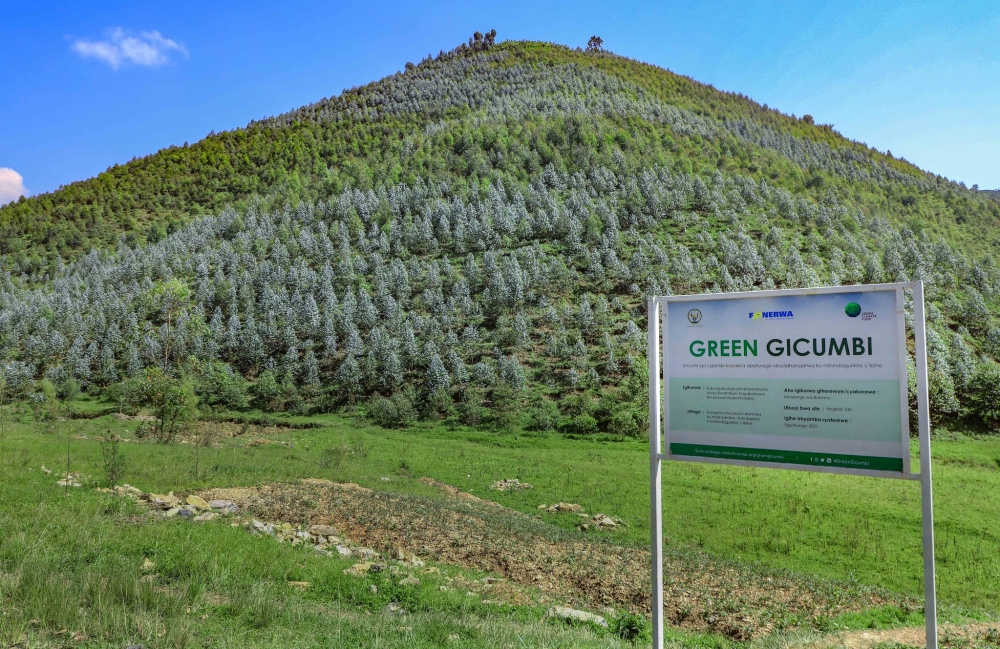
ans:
(926, 492)
(805, 379)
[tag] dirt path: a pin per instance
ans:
(700, 594)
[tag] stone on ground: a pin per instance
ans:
(566, 613)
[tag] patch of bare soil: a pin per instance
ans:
(949, 635)
(212, 432)
(701, 594)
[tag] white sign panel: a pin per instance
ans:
(799, 379)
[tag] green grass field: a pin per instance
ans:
(73, 563)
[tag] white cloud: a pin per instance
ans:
(11, 186)
(149, 48)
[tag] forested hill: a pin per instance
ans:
(542, 104)
(474, 238)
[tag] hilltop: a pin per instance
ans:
(473, 238)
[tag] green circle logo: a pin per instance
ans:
(853, 309)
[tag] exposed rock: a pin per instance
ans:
(322, 530)
(160, 501)
(127, 490)
(409, 581)
(368, 553)
(197, 502)
(224, 506)
(71, 480)
(359, 569)
(512, 484)
(571, 508)
(207, 516)
(601, 522)
(394, 609)
(566, 613)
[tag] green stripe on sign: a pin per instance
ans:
(805, 458)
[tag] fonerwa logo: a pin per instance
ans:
(771, 315)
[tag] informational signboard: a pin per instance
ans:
(809, 379)
(815, 381)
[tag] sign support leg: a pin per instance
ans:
(926, 492)
(930, 596)
(655, 484)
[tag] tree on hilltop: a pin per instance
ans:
(595, 44)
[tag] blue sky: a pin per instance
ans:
(86, 85)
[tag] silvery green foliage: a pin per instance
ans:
(413, 284)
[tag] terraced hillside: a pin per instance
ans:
(473, 238)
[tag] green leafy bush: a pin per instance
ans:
(582, 424)
(171, 400)
(470, 407)
(984, 395)
(220, 387)
(543, 414)
(266, 392)
(393, 412)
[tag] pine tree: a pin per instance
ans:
(436, 377)
(348, 377)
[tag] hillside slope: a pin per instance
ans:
(475, 234)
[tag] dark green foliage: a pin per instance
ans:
(266, 392)
(984, 395)
(220, 387)
(171, 400)
(542, 415)
(393, 412)
(629, 626)
(470, 407)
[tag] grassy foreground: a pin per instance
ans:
(75, 563)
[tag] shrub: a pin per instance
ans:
(582, 424)
(992, 342)
(505, 402)
(470, 408)
(267, 393)
(44, 403)
(941, 389)
(172, 401)
(219, 386)
(436, 403)
(543, 415)
(626, 420)
(394, 412)
(984, 395)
